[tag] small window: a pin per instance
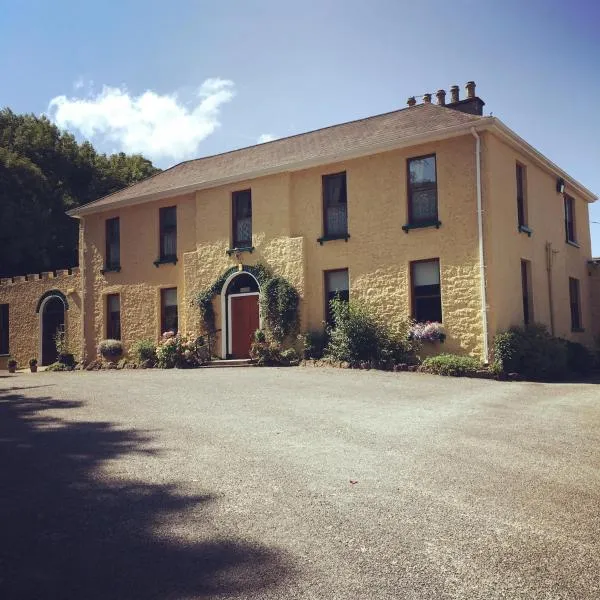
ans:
(168, 233)
(113, 244)
(422, 190)
(335, 205)
(570, 219)
(168, 312)
(113, 314)
(526, 289)
(242, 219)
(336, 286)
(574, 299)
(521, 196)
(4, 346)
(426, 291)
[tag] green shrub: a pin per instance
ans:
(358, 337)
(532, 352)
(279, 307)
(313, 344)
(266, 351)
(182, 351)
(143, 351)
(110, 349)
(58, 366)
(450, 364)
(290, 357)
(579, 359)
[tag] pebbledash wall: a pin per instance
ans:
(287, 220)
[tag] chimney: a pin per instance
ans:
(411, 101)
(472, 104)
(441, 97)
(427, 98)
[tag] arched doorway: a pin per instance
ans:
(240, 314)
(52, 319)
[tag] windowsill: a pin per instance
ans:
(4, 355)
(336, 236)
(115, 269)
(165, 260)
(408, 226)
(239, 249)
(578, 330)
(525, 229)
(572, 243)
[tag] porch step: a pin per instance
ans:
(231, 362)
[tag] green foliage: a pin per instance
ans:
(33, 362)
(451, 365)
(532, 352)
(357, 336)
(58, 366)
(579, 359)
(266, 351)
(110, 349)
(279, 307)
(313, 344)
(43, 173)
(143, 351)
(181, 351)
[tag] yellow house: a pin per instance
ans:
(434, 212)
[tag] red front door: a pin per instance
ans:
(244, 322)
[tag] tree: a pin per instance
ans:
(43, 173)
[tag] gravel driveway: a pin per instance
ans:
(297, 483)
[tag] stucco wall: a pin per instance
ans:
(23, 294)
(505, 246)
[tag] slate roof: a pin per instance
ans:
(323, 144)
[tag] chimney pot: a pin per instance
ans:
(454, 94)
(427, 98)
(441, 97)
(470, 87)
(411, 101)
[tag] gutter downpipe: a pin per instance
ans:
(484, 321)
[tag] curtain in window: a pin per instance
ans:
(426, 291)
(242, 227)
(336, 217)
(422, 189)
(169, 310)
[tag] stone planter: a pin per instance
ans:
(33, 368)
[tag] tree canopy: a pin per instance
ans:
(43, 173)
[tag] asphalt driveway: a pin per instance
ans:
(297, 483)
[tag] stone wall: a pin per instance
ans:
(23, 295)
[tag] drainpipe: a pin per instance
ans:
(483, 293)
(549, 261)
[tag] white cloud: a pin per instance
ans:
(265, 137)
(158, 126)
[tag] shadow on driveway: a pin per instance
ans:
(67, 533)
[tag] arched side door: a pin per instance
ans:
(52, 320)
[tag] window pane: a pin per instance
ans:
(169, 244)
(334, 189)
(422, 170)
(242, 218)
(113, 303)
(426, 273)
(113, 250)
(337, 281)
(4, 345)
(170, 297)
(168, 217)
(428, 309)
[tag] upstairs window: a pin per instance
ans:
(113, 317)
(574, 300)
(570, 220)
(336, 286)
(521, 195)
(426, 291)
(4, 346)
(335, 205)
(168, 310)
(526, 289)
(422, 190)
(168, 233)
(113, 244)
(242, 219)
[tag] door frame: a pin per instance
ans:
(226, 311)
(230, 319)
(41, 309)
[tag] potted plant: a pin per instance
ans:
(12, 365)
(33, 365)
(110, 350)
(430, 331)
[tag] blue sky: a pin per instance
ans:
(185, 78)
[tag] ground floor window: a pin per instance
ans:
(168, 310)
(526, 288)
(426, 291)
(113, 317)
(336, 286)
(4, 347)
(574, 299)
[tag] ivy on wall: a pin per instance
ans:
(278, 301)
